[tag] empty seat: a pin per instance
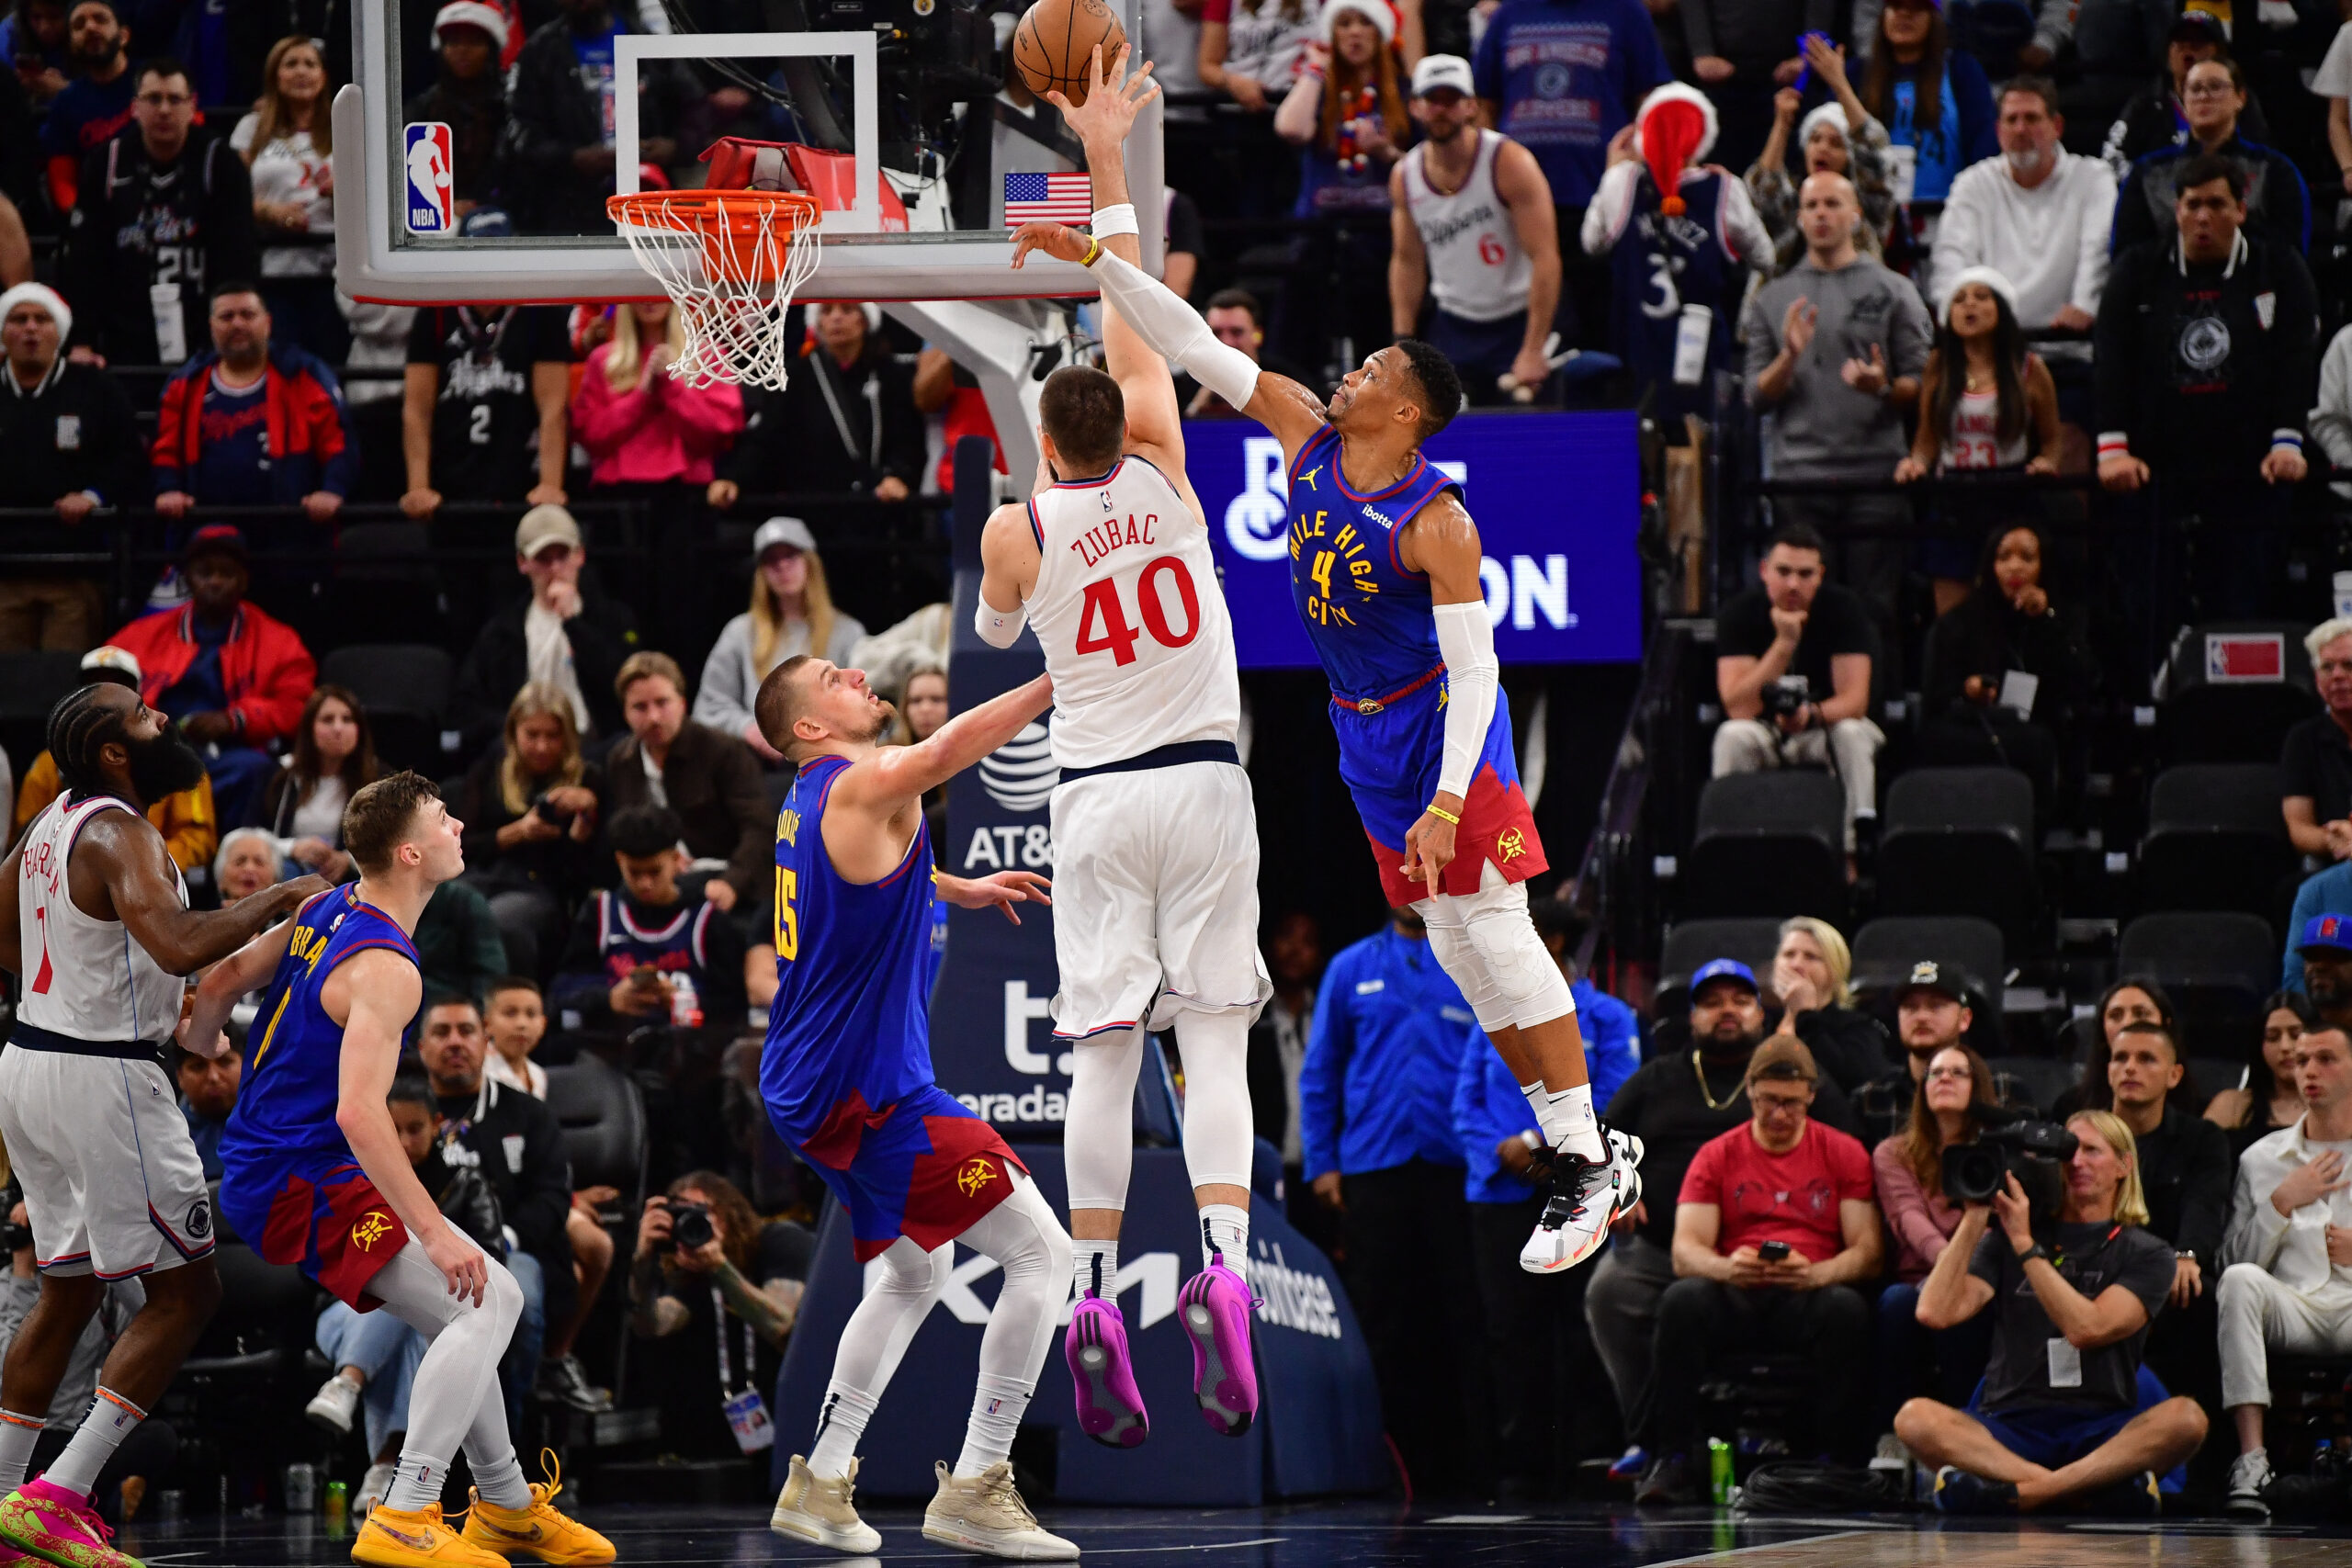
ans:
(603, 1117)
(1959, 841)
(405, 688)
(2231, 690)
(1886, 948)
(30, 682)
(1689, 943)
(386, 588)
(2216, 841)
(2031, 1083)
(1767, 843)
(2216, 966)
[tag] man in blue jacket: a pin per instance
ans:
(1376, 1127)
(1538, 1350)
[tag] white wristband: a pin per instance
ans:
(1110, 220)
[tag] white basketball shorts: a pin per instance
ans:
(1155, 897)
(113, 1185)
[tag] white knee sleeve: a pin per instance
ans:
(1099, 1137)
(1218, 1127)
(1462, 962)
(1524, 969)
(1023, 1238)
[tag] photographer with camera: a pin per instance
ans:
(1794, 657)
(717, 1292)
(2286, 1283)
(2066, 1415)
(1774, 1231)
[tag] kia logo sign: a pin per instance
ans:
(1019, 775)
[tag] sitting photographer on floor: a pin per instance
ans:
(2067, 1416)
(1794, 657)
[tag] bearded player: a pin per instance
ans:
(1155, 837)
(1384, 574)
(312, 1170)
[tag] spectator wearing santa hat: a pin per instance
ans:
(1834, 348)
(1471, 225)
(72, 447)
(1680, 236)
(470, 41)
(1346, 115)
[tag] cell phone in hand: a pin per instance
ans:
(1773, 1252)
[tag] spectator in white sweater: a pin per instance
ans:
(2331, 422)
(2038, 214)
(792, 613)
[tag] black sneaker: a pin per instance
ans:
(1958, 1492)
(1669, 1484)
(565, 1380)
(2134, 1497)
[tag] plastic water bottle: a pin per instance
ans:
(1719, 1472)
(685, 1003)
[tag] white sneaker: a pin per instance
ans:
(372, 1488)
(822, 1511)
(986, 1514)
(335, 1406)
(1586, 1196)
(2249, 1478)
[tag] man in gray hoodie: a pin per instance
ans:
(1835, 349)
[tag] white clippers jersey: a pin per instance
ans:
(1478, 270)
(1134, 625)
(85, 978)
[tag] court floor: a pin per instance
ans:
(1345, 1535)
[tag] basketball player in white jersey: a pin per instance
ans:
(99, 934)
(1155, 837)
(1471, 222)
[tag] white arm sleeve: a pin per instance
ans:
(1466, 638)
(1177, 331)
(998, 628)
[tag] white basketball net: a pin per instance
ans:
(733, 292)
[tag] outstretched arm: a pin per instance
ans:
(247, 969)
(127, 875)
(887, 780)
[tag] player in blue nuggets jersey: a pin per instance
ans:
(1677, 234)
(1384, 562)
(846, 1074)
(311, 1173)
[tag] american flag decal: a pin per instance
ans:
(1048, 198)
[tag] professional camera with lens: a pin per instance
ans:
(2010, 1143)
(1785, 697)
(690, 1228)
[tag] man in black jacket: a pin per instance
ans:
(517, 1144)
(582, 636)
(846, 421)
(709, 777)
(166, 209)
(2157, 117)
(2205, 351)
(559, 122)
(71, 447)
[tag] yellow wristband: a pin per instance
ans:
(1093, 250)
(1443, 815)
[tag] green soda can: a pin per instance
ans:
(338, 1503)
(1719, 1472)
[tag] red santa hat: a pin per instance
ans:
(1675, 129)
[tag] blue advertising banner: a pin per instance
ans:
(1557, 498)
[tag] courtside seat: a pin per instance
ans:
(2216, 841)
(1689, 943)
(2216, 966)
(1886, 948)
(1959, 841)
(2231, 690)
(1767, 842)
(405, 688)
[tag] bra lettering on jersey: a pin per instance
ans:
(1102, 538)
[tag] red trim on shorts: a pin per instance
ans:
(967, 1172)
(1497, 826)
(834, 1144)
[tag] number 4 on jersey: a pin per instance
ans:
(1102, 623)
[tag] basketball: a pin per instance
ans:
(1055, 42)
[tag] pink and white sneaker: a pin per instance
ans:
(52, 1524)
(1214, 1306)
(1110, 1406)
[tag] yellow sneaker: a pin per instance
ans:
(539, 1530)
(394, 1538)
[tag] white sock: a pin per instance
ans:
(17, 1436)
(501, 1485)
(111, 1420)
(998, 1405)
(840, 1424)
(1539, 1101)
(1225, 1238)
(1094, 1269)
(417, 1480)
(1577, 1129)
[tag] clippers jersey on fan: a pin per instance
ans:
(1134, 625)
(1373, 627)
(290, 1183)
(678, 943)
(87, 979)
(1478, 270)
(846, 1069)
(1661, 263)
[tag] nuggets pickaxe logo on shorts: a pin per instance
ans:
(1510, 846)
(371, 1228)
(977, 1173)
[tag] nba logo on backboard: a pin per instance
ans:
(425, 162)
(2246, 656)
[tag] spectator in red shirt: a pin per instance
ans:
(252, 423)
(235, 677)
(1774, 1229)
